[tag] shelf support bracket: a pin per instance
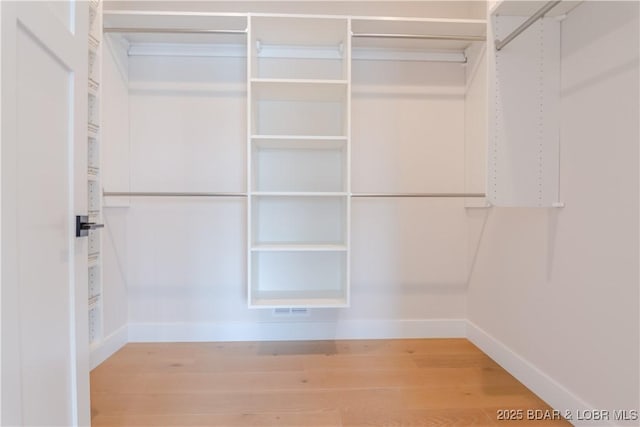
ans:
(526, 24)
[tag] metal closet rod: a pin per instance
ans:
(244, 31)
(172, 30)
(168, 194)
(434, 195)
(526, 24)
(419, 36)
(198, 194)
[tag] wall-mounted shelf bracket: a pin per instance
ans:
(500, 44)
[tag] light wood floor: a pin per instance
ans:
(433, 382)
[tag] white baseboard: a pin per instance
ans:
(103, 350)
(549, 390)
(276, 331)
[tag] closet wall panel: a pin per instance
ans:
(409, 255)
(186, 260)
(409, 258)
(407, 127)
(114, 155)
(187, 129)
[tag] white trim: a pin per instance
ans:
(544, 386)
(282, 330)
(145, 13)
(152, 13)
(105, 349)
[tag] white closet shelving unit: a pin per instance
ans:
(298, 128)
(298, 167)
(94, 183)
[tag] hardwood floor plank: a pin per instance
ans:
(369, 347)
(185, 382)
(358, 362)
(302, 419)
(455, 360)
(315, 383)
(202, 363)
(251, 402)
(407, 346)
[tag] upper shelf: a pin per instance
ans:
(417, 33)
(368, 34)
(166, 27)
(528, 8)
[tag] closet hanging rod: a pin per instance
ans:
(526, 24)
(172, 30)
(196, 194)
(419, 36)
(432, 195)
(168, 194)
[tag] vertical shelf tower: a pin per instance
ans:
(298, 162)
(94, 184)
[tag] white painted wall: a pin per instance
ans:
(408, 255)
(114, 150)
(475, 125)
(555, 292)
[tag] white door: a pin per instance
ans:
(45, 354)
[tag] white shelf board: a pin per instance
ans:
(299, 144)
(299, 90)
(295, 247)
(528, 8)
(93, 260)
(94, 301)
(174, 19)
(94, 86)
(299, 137)
(94, 43)
(288, 299)
(131, 19)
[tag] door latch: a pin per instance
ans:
(83, 225)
